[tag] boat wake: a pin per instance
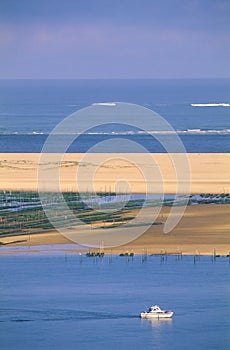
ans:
(21, 315)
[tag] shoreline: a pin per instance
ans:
(122, 255)
(97, 253)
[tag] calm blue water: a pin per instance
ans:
(58, 302)
(30, 109)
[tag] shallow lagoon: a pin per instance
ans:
(65, 301)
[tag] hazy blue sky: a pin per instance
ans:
(114, 38)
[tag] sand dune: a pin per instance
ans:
(209, 173)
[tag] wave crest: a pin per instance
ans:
(210, 104)
(131, 132)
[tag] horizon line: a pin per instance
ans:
(113, 78)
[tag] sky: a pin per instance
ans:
(114, 39)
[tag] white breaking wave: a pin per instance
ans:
(108, 104)
(204, 132)
(37, 133)
(26, 133)
(154, 132)
(210, 104)
(132, 132)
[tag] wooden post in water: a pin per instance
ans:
(214, 254)
(196, 256)
(110, 258)
(179, 254)
(144, 255)
(163, 255)
(132, 254)
(166, 256)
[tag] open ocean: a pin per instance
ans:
(62, 301)
(198, 109)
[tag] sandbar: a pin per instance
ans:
(208, 172)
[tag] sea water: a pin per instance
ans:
(68, 301)
(198, 110)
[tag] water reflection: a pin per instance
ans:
(157, 322)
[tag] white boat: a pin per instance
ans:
(156, 312)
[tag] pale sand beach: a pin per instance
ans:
(203, 229)
(209, 172)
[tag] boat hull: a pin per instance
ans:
(156, 315)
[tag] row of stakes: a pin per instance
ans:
(163, 255)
